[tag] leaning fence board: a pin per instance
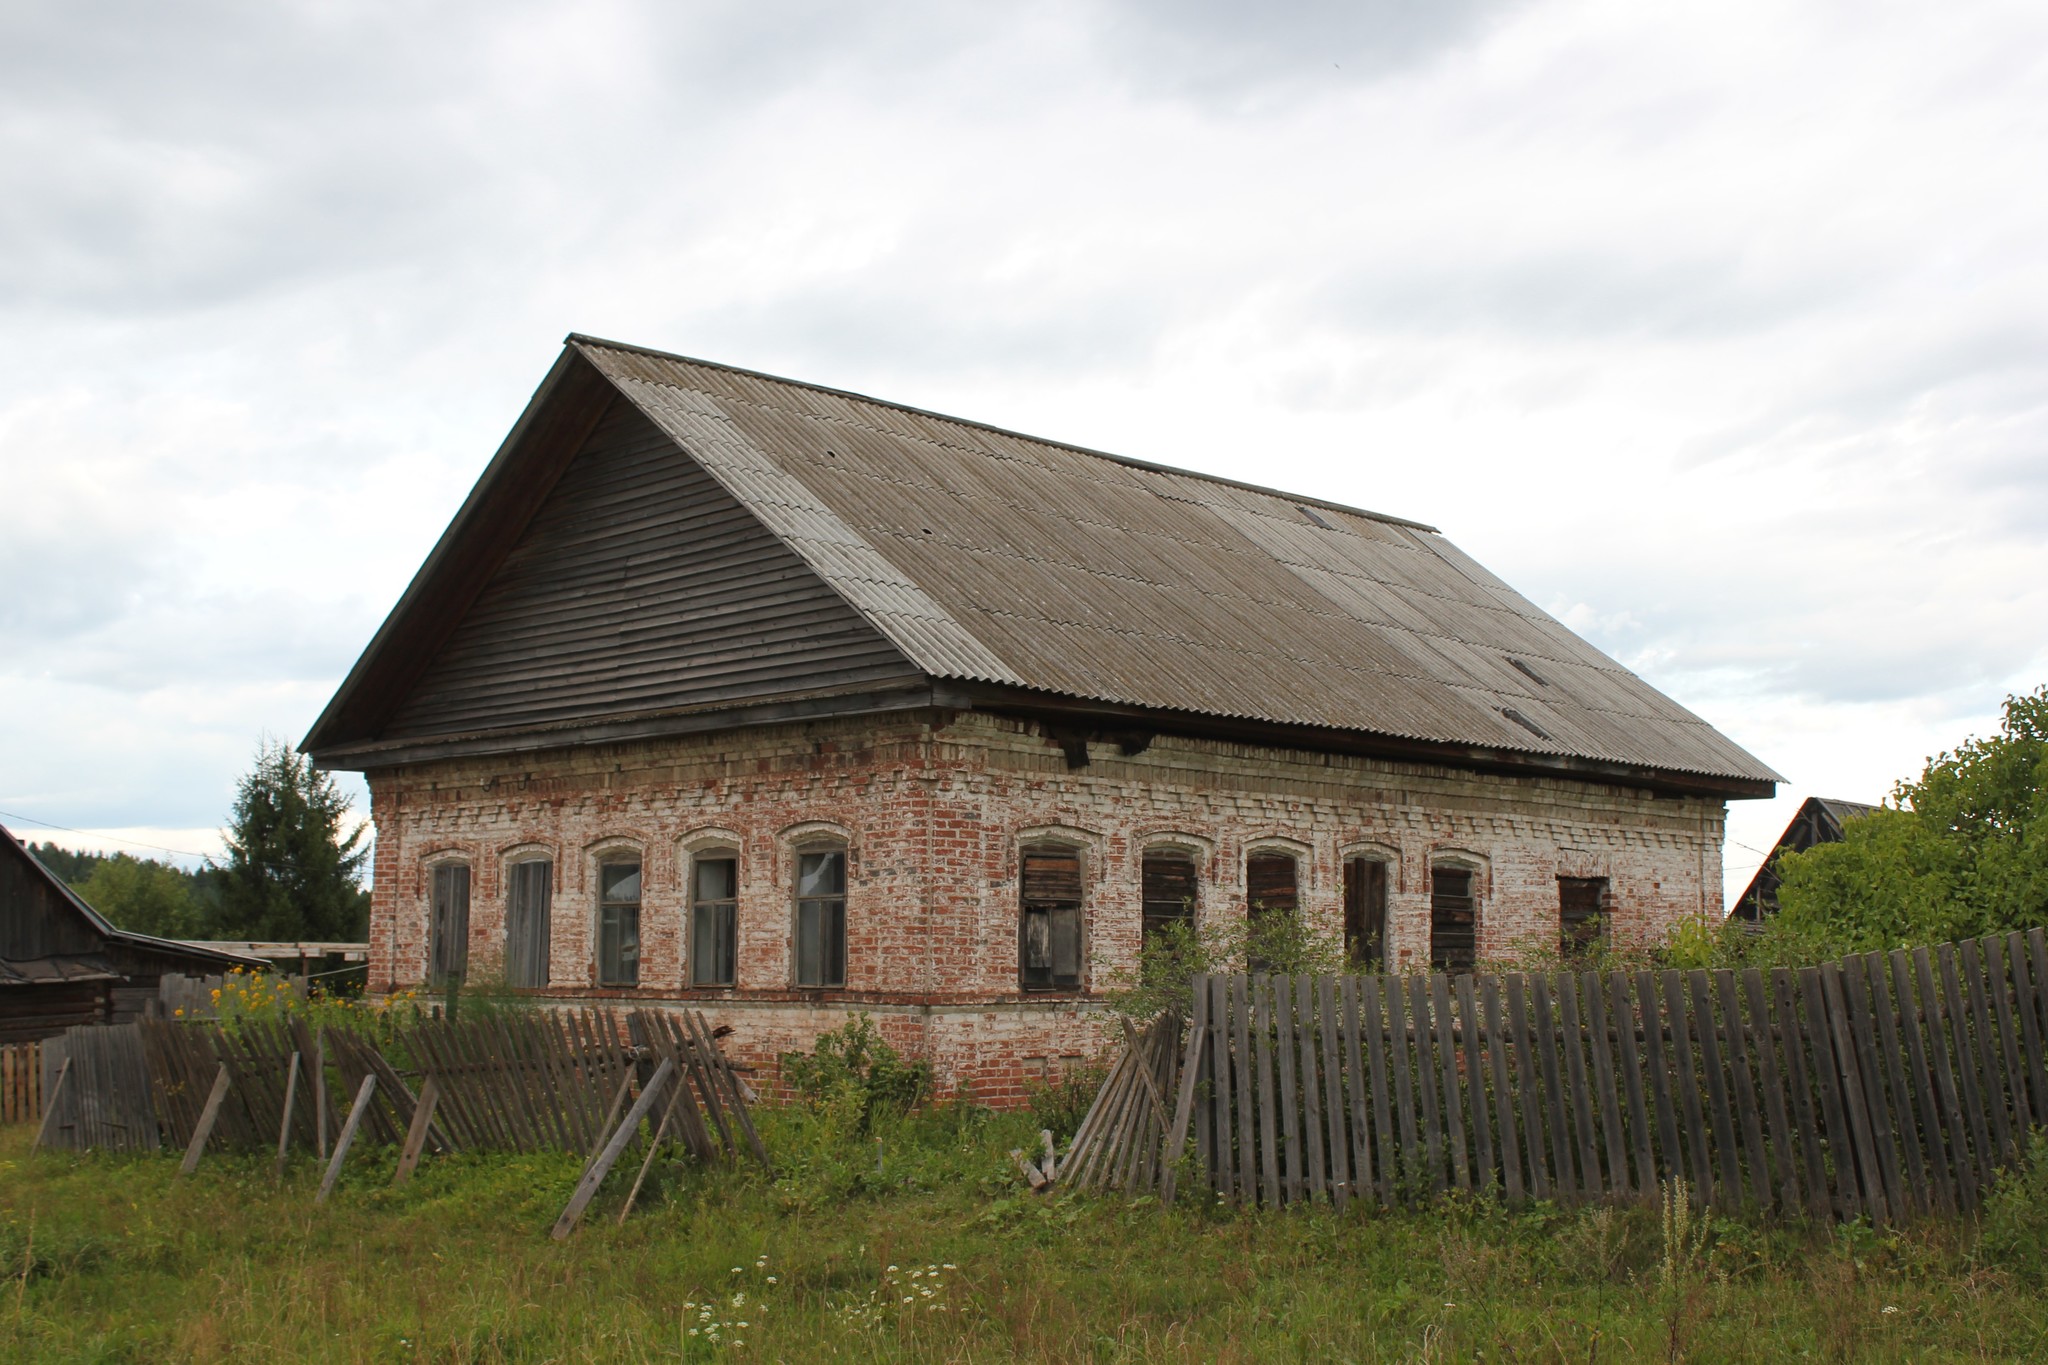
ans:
(2008, 1041)
(1526, 1089)
(1555, 1103)
(1444, 1035)
(2024, 987)
(1783, 1154)
(1333, 1091)
(1503, 1096)
(586, 1188)
(1742, 1082)
(1905, 1128)
(1474, 1068)
(1608, 1100)
(1373, 1020)
(1572, 1037)
(1625, 1026)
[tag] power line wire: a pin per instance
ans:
(90, 834)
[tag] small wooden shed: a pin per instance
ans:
(62, 963)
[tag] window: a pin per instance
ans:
(1272, 890)
(1453, 920)
(529, 890)
(1270, 884)
(1365, 911)
(821, 918)
(448, 948)
(618, 923)
(1582, 907)
(1049, 927)
(1167, 890)
(714, 919)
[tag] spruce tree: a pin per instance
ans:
(292, 872)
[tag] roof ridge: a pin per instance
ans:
(1127, 460)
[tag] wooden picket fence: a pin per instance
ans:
(96, 1091)
(21, 1082)
(1879, 1085)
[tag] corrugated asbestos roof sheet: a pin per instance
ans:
(992, 557)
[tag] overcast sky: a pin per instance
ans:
(1720, 330)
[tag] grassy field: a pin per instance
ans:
(941, 1257)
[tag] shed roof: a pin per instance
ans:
(1002, 561)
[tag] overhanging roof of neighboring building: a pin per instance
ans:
(1006, 569)
(49, 950)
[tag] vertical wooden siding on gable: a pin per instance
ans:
(642, 585)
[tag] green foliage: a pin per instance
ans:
(72, 866)
(1960, 852)
(1171, 958)
(2015, 1237)
(1061, 1104)
(146, 897)
(291, 871)
(854, 1069)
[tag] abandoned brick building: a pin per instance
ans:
(788, 703)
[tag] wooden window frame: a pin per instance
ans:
(1052, 920)
(448, 920)
(518, 887)
(618, 915)
(1444, 905)
(723, 908)
(1368, 892)
(828, 911)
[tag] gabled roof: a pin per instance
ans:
(1007, 568)
(1819, 820)
(91, 966)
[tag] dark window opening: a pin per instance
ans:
(1365, 912)
(1049, 926)
(714, 921)
(1453, 920)
(618, 924)
(1582, 908)
(821, 918)
(529, 892)
(448, 947)
(1272, 888)
(1167, 889)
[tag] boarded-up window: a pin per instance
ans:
(1365, 912)
(529, 890)
(1453, 920)
(1270, 883)
(1167, 889)
(448, 944)
(1582, 913)
(618, 924)
(821, 918)
(714, 920)
(1049, 928)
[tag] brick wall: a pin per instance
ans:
(932, 810)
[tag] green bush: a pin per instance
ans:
(2015, 1225)
(854, 1068)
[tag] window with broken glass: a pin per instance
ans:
(1365, 912)
(821, 918)
(714, 919)
(618, 923)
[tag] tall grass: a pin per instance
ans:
(113, 1259)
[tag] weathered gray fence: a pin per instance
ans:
(1882, 1084)
(95, 1088)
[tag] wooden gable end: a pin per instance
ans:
(36, 919)
(640, 587)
